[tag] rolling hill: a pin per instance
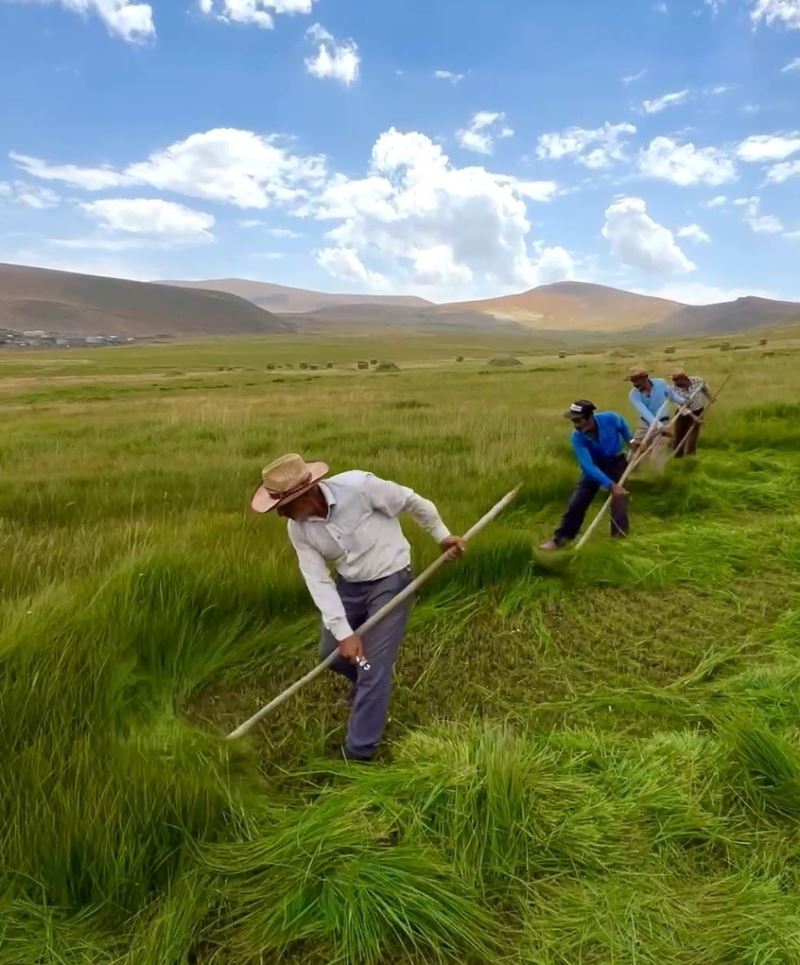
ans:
(286, 300)
(741, 315)
(68, 303)
(573, 306)
(84, 305)
(398, 319)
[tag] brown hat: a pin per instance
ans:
(285, 480)
(637, 372)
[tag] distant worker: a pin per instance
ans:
(598, 440)
(692, 394)
(651, 398)
(351, 521)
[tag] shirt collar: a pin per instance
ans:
(330, 499)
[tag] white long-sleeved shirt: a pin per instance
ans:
(361, 537)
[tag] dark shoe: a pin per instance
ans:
(348, 755)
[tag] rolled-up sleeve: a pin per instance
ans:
(391, 499)
(321, 586)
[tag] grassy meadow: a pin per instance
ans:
(588, 762)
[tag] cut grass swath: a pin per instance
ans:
(405, 594)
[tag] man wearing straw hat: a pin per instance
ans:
(692, 394)
(598, 441)
(350, 520)
(648, 396)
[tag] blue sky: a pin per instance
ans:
(451, 148)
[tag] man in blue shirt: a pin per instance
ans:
(598, 440)
(650, 398)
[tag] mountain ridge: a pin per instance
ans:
(746, 313)
(68, 302)
(287, 300)
(72, 303)
(574, 306)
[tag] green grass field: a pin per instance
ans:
(588, 763)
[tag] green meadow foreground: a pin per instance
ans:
(586, 763)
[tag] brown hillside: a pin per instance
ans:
(741, 315)
(574, 306)
(69, 303)
(286, 300)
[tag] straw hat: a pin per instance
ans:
(637, 372)
(285, 480)
(677, 372)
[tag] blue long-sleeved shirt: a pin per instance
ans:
(612, 434)
(648, 405)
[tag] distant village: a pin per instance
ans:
(9, 338)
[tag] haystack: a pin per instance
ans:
(505, 361)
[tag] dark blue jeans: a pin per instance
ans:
(372, 689)
(581, 499)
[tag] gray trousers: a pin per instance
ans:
(372, 689)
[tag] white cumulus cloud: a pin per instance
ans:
(132, 22)
(413, 217)
(533, 190)
(30, 195)
(769, 147)
(793, 65)
(90, 179)
(450, 75)
(553, 264)
(717, 202)
(685, 164)
(597, 148)
(694, 233)
(417, 219)
(334, 60)
(257, 13)
(779, 173)
(240, 167)
(667, 100)
(226, 164)
(344, 263)
(152, 217)
(632, 78)
(781, 12)
(479, 136)
(762, 224)
(640, 242)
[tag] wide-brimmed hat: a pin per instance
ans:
(285, 480)
(637, 372)
(678, 372)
